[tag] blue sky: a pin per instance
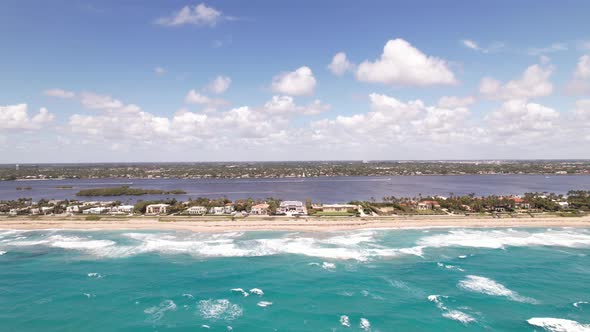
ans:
(77, 66)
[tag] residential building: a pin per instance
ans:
(521, 203)
(339, 207)
(428, 205)
(563, 205)
(97, 210)
(228, 208)
(260, 209)
(217, 210)
(73, 209)
(197, 210)
(292, 208)
(123, 209)
(47, 209)
(157, 209)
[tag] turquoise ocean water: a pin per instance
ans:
(366, 280)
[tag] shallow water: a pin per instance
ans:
(377, 280)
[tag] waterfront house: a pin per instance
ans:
(157, 209)
(217, 210)
(122, 209)
(342, 208)
(428, 205)
(292, 208)
(563, 205)
(73, 209)
(260, 209)
(228, 208)
(47, 209)
(197, 210)
(521, 203)
(96, 210)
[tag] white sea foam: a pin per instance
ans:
(157, 312)
(457, 315)
(558, 324)
(88, 295)
(463, 256)
(241, 291)
(450, 267)
(498, 239)
(94, 275)
(344, 321)
(577, 304)
(257, 291)
(219, 309)
(2, 253)
(488, 286)
(365, 325)
(205, 326)
(264, 304)
(328, 266)
(187, 295)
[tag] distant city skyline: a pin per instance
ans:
(191, 81)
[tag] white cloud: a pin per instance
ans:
(454, 102)
(403, 64)
(582, 111)
(340, 64)
(17, 117)
(524, 120)
(555, 47)
(296, 83)
(580, 83)
(534, 82)
(59, 93)
(200, 14)
(160, 71)
(473, 45)
(219, 85)
(95, 101)
(197, 98)
(282, 105)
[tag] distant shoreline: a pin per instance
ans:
(203, 224)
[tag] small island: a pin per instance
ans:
(127, 191)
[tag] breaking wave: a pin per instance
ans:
(497, 239)
(344, 321)
(219, 309)
(457, 315)
(558, 324)
(488, 286)
(365, 325)
(156, 313)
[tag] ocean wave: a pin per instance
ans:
(241, 291)
(453, 314)
(579, 303)
(344, 321)
(264, 304)
(219, 309)
(365, 325)
(558, 324)
(257, 291)
(157, 312)
(488, 286)
(3, 253)
(449, 267)
(94, 275)
(498, 239)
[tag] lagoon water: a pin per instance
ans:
(325, 189)
(366, 280)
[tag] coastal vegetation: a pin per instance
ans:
(291, 169)
(126, 191)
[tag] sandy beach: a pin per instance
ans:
(285, 223)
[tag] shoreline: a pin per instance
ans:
(288, 224)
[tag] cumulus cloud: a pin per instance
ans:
(340, 64)
(403, 64)
(580, 83)
(219, 85)
(96, 101)
(300, 82)
(286, 105)
(197, 98)
(59, 93)
(534, 82)
(453, 101)
(521, 119)
(17, 117)
(201, 15)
